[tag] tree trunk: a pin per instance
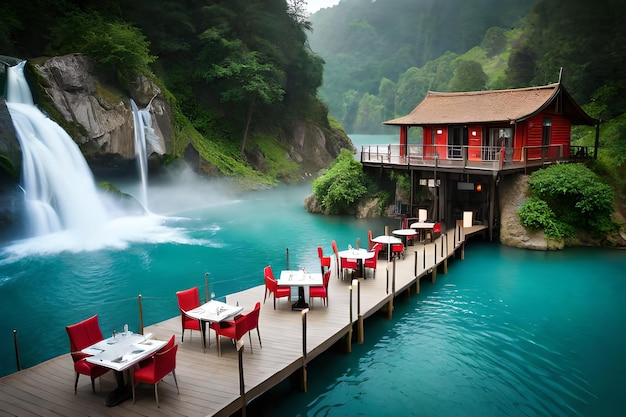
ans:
(245, 130)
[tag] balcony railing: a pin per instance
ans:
(487, 158)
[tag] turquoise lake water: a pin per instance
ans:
(506, 332)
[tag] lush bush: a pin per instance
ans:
(568, 197)
(535, 214)
(117, 47)
(341, 186)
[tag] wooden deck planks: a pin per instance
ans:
(209, 385)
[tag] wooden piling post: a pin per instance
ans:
(359, 334)
(349, 337)
(206, 287)
(17, 350)
(242, 386)
(304, 353)
(140, 314)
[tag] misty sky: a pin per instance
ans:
(315, 5)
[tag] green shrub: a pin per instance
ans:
(341, 186)
(535, 214)
(566, 198)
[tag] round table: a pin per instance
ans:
(387, 240)
(422, 227)
(405, 233)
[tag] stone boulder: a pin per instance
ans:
(512, 194)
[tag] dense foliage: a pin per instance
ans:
(234, 68)
(341, 185)
(459, 46)
(566, 198)
(365, 42)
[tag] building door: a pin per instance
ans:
(457, 138)
(498, 137)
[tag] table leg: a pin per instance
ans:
(203, 331)
(301, 304)
(121, 393)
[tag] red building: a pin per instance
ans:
(474, 137)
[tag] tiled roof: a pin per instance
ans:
(480, 106)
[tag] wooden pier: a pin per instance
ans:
(210, 385)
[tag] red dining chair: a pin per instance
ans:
(397, 250)
(238, 328)
(82, 335)
(343, 263)
(188, 300)
(372, 262)
(168, 345)
(272, 287)
(436, 230)
(163, 363)
(320, 291)
(324, 260)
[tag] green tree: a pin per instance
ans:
(249, 77)
(341, 186)
(387, 96)
(468, 76)
(494, 41)
(371, 112)
(117, 46)
(412, 88)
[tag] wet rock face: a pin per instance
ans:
(100, 120)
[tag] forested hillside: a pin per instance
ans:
(382, 57)
(366, 44)
(237, 69)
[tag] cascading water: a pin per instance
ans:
(140, 151)
(145, 141)
(60, 192)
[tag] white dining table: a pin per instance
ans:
(360, 255)
(212, 312)
(119, 353)
(421, 227)
(405, 233)
(387, 240)
(301, 279)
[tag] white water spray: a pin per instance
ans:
(59, 188)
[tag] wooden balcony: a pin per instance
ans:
(468, 159)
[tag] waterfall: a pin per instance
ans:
(141, 154)
(60, 192)
(146, 141)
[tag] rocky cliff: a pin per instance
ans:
(97, 116)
